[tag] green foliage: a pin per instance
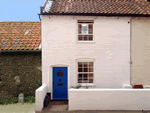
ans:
(14, 100)
(2, 101)
(76, 87)
(86, 87)
(30, 99)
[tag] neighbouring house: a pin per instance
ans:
(20, 58)
(101, 44)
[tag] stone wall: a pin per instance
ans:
(20, 72)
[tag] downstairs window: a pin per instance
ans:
(85, 72)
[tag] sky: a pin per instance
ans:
(20, 10)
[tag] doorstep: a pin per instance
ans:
(55, 106)
(52, 102)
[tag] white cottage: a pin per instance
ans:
(87, 42)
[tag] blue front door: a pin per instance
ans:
(60, 91)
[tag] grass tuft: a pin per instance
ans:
(30, 99)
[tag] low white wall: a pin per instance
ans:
(39, 97)
(109, 99)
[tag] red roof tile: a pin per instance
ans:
(109, 7)
(15, 31)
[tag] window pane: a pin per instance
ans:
(60, 74)
(79, 76)
(85, 69)
(80, 70)
(90, 69)
(90, 80)
(90, 75)
(85, 64)
(79, 64)
(85, 37)
(79, 37)
(85, 76)
(84, 28)
(90, 64)
(79, 28)
(90, 29)
(91, 37)
(79, 80)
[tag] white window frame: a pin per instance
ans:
(85, 34)
(85, 60)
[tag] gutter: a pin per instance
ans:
(23, 50)
(95, 14)
(20, 51)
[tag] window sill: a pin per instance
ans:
(89, 42)
(86, 84)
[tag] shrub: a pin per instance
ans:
(2, 101)
(30, 99)
(14, 100)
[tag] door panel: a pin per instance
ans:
(60, 83)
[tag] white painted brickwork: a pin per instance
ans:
(109, 99)
(110, 49)
(140, 51)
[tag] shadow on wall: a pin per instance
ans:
(20, 72)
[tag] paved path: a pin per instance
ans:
(64, 109)
(18, 108)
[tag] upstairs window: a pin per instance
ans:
(85, 30)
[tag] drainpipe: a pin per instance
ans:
(41, 12)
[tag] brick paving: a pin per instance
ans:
(62, 107)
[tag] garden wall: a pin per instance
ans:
(20, 72)
(109, 99)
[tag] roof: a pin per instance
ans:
(20, 35)
(99, 7)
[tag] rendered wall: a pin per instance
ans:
(39, 97)
(109, 99)
(140, 51)
(110, 49)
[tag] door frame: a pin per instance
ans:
(51, 77)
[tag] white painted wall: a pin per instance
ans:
(140, 50)
(40, 94)
(109, 99)
(111, 37)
